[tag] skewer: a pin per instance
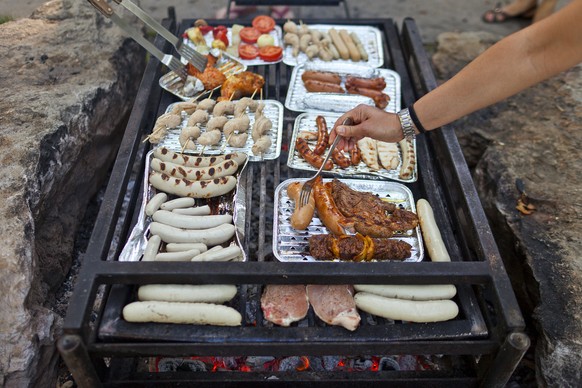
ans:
(253, 95)
(185, 145)
(202, 151)
(231, 96)
(223, 148)
(153, 133)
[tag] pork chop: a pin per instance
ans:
(284, 304)
(334, 304)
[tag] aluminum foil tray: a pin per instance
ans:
(290, 245)
(228, 204)
(300, 100)
(273, 110)
(275, 33)
(371, 38)
(305, 122)
(173, 84)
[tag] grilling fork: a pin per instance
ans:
(198, 60)
(308, 185)
(167, 59)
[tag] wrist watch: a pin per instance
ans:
(406, 124)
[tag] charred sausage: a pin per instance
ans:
(306, 153)
(322, 136)
(316, 86)
(323, 76)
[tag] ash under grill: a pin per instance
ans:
(481, 346)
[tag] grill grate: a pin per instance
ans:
(489, 321)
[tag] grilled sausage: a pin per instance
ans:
(327, 210)
(210, 237)
(355, 156)
(377, 83)
(322, 136)
(201, 293)
(193, 189)
(340, 159)
(302, 215)
(224, 168)
(381, 99)
(316, 86)
(323, 76)
(302, 147)
(180, 312)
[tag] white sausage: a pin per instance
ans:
(151, 249)
(180, 247)
(430, 232)
(155, 203)
(406, 310)
(225, 254)
(410, 291)
(408, 159)
(210, 237)
(193, 189)
(191, 222)
(179, 203)
(177, 256)
(166, 155)
(178, 312)
(224, 168)
(194, 211)
(203, 293)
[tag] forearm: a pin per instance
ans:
(508, 67)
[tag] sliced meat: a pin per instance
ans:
(284, 304)
(352, 203)
(334, 304)
(329, 247)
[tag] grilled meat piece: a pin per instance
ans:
(334, 304)
(211, 77)
(284, 304)
(353, 203)
(329, 247)
(242, 84)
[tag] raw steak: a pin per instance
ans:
(334, 304)
(284, 304)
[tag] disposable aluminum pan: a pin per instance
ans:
(170, 81)
(290, 245)
(276, 33)
(300, 100)
(228, 204)
(273, 110)
(305, 122)
(371, 39)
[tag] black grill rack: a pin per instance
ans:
(485, 342)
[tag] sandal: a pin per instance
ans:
(497, 15)
(283, 12)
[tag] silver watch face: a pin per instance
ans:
(406, 123)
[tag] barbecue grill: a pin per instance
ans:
(482, 346)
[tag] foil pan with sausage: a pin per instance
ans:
(294, 243)
(189, 209)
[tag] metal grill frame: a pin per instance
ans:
(493, 316)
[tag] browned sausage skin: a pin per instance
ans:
(371, 83)
(323, 76)
(315, 86)
(306, 153)
(322, 136)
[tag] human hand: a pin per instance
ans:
(368, 122)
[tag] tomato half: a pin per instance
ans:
(223, 36)
(271, 53)
(205, 29)
(249, 35)
(248, 51)
(218, 29)
(264, 23)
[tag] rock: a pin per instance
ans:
(535, 137)
(69, 82)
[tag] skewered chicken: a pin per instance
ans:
(216, 123)
(262, 145)
(207, 104)
(223, 108)
(210, 137)
(185, 106)
(187, 137)
(261, 126)
(239, 85)
(236, 125)
(238, 140)
(241, 106)
(198, 117)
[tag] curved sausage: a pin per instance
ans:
(355, 156)
(316, 86)
(323, 76)
(322, 136)
(340, 159)
(224, 168)
(302, 215)
(377, 83)
(327, 210)
(302, 147)
(381, 99)
(193, 189)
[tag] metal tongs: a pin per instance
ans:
(197, 59)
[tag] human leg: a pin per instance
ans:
(515, 9)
